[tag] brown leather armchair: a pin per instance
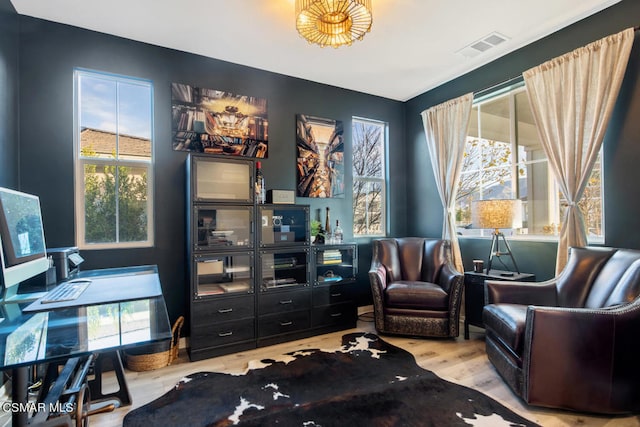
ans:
(416, 289)
(571, 342)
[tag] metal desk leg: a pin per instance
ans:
(118, 398)
(20, 394)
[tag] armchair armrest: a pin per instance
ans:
(449, 276)
(576, 348)
(378, 276)
(525, 293)
(378, 281)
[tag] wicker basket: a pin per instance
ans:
(156, 355)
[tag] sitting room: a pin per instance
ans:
(319, 212)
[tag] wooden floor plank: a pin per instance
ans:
(461, 361)
(457, 360)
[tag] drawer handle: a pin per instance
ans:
(286, 323)
(225, 310)
(336, 314)
(286, 302)
(225, 334)
(336, 295)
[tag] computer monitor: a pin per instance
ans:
(23, 251)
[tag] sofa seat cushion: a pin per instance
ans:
(416, 295)
(507, 322)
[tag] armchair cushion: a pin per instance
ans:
(507, 322)
(416, 295)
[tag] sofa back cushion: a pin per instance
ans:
(618, 280)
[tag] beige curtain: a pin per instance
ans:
(445, 126)
(572, 97)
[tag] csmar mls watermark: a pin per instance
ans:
(29, 407)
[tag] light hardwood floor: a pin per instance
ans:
(461, 361)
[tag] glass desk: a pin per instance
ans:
(58, 335)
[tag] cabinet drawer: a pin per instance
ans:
(283, 323)
(330, 295)
(222, 333)
(281, 302)
(334, 315)
(222, 310)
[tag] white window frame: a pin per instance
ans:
(554, 203)
(382, 181)
(80, 162)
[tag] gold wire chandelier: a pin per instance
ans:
(333, 22)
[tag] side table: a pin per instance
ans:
(474, 293)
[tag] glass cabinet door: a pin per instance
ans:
(223, 274)
(223, 227)
(335, 264)
(281, 269)
(222, 180)
(283, 225)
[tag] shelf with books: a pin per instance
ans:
(334, 263)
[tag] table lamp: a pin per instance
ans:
(498, 214)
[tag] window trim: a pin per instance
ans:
(510, 89)
(80, 162)
(383, 181)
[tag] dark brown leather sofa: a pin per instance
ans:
(572, 342)
(416, 290)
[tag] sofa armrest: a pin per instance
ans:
(570, 358)
(525, 293)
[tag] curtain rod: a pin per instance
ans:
(508, 82)
(511, 80)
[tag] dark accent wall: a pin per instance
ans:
(49, 52)
(9, 154)
(621, 144)
(42, 161)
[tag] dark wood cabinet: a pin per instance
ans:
(254, 277)
(474, 293)
(334, 270)
(221, 253)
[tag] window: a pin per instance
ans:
(114, 158)
(504, 159)
(369, 177)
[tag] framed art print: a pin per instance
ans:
(320, 157)
(218, 122)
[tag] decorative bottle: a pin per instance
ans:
(327, 226)
(261, 192)
(337, 232)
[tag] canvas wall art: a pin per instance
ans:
(320, 148)
(217, 122)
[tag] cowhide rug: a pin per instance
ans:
(367, 382)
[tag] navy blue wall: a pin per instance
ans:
(43, 163)
(621, 144)
(48, 54)
(9, 154)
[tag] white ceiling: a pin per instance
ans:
(413, 46)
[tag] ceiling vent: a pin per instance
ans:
(484, 44)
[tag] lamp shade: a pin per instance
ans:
(496, 213)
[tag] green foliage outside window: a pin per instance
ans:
(103, 204)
